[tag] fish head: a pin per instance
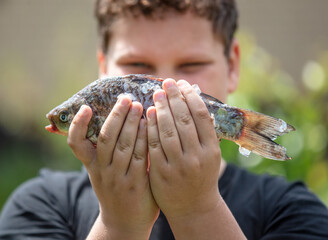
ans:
(61, 117)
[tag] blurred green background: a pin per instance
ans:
(48, 52)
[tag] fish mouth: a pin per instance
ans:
(52, 127)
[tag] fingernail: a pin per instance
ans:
(134, 109)
(159, 95)
(124, 101)
(151, 113)
(169, 83)
(82, 107)
(183, 83)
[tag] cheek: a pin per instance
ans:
(114, 70)
(214, 83)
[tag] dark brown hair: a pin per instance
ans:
(223, 15)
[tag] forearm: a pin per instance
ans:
(100, 231)
(218, 223)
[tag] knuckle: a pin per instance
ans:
(116, 114)
(133, 118)
(185, 118)
(123, 146)
(194, 166)
(71, 143)
(74, 122)
(161, 106)
(154, 143)
(217, 153)
(163, 173)
(138, 156)
(168, 133)
(103, 138)
(116, 182)
(164, 176)
(132, 189)
(129, 186)
(203, 114)
(183, 171)
(174, 94)
(188, 91)
(113, 184)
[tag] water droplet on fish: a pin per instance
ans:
(197, 89)
(133, 98)
(213, 118)
(144, 88)
(244, 151)
(155, 87)
(283, 126)
(126, 86)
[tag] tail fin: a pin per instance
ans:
(258, 134)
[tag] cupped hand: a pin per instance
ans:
(117, 168)
(184, 152)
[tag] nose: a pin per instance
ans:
(167, 72)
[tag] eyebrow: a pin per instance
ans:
(195, 57)
(129, 55)
(188, 57)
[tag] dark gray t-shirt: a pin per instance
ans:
(62, 205)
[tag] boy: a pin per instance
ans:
(191, 40)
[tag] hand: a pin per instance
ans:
(118, 169)
(184, 152)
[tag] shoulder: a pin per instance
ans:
(43, 204)
(270, 206)
(51, 187)
(273, 188)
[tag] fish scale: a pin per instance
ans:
(252, 131)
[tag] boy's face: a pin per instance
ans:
(177, 46)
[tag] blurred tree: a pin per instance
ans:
(264, 87)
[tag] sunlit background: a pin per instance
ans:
(48, 52)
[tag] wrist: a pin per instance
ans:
(102, 229)
(197, 205)
(197, 211)
(129, 234)
(209, 224)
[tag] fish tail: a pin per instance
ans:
(258, 135)
(252, 131)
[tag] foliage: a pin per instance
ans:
(264, 87)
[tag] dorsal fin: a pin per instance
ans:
(143, 77)
(204, 95)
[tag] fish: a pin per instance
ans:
(252, 131)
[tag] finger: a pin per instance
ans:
(156, 154)
(127, 139)
(182, 116)
(138, 165)
(168, 135)
(111, 129)
(80, 145)
(199, 112)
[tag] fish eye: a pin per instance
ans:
(63, 116)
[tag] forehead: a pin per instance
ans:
(171, 32)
